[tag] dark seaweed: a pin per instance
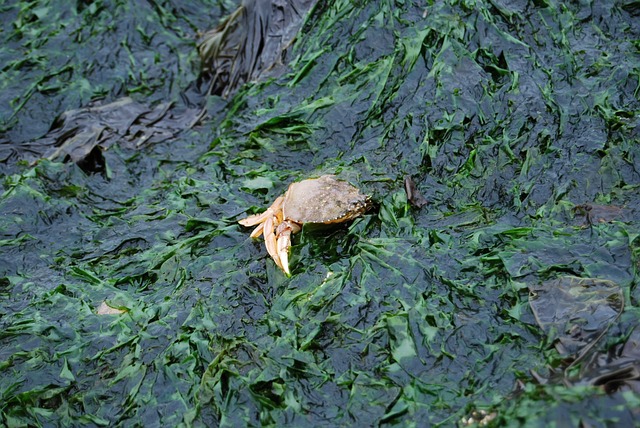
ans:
(511, 117)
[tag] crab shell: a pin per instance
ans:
(323, 200)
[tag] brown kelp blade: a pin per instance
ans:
(250, 42)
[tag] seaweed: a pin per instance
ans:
(518, 123)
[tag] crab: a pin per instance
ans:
(324, 200)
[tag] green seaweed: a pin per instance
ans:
(514, 120)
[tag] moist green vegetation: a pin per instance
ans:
(519, 123)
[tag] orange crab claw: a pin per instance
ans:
(283, 234)
(267, 223)
(270, 240)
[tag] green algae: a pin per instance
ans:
(509, 117)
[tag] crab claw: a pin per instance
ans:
(266, 225)
(283, 235)
(270, 240)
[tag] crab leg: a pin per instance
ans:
(257, 231)
(252, 220)
(283, 234)
(270, 240)
(267, 223)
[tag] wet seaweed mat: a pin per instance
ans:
(495, 282)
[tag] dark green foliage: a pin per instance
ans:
(518, 122)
